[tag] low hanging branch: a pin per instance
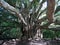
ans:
(12, 9)
(50, 10)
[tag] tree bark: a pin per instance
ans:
(50, 10)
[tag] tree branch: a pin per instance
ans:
(39, 7)
(41, 13)
(12, 9)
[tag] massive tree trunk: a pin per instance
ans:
(34, 30)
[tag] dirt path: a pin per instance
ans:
(33, 42)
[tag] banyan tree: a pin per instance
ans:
(30, 16)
